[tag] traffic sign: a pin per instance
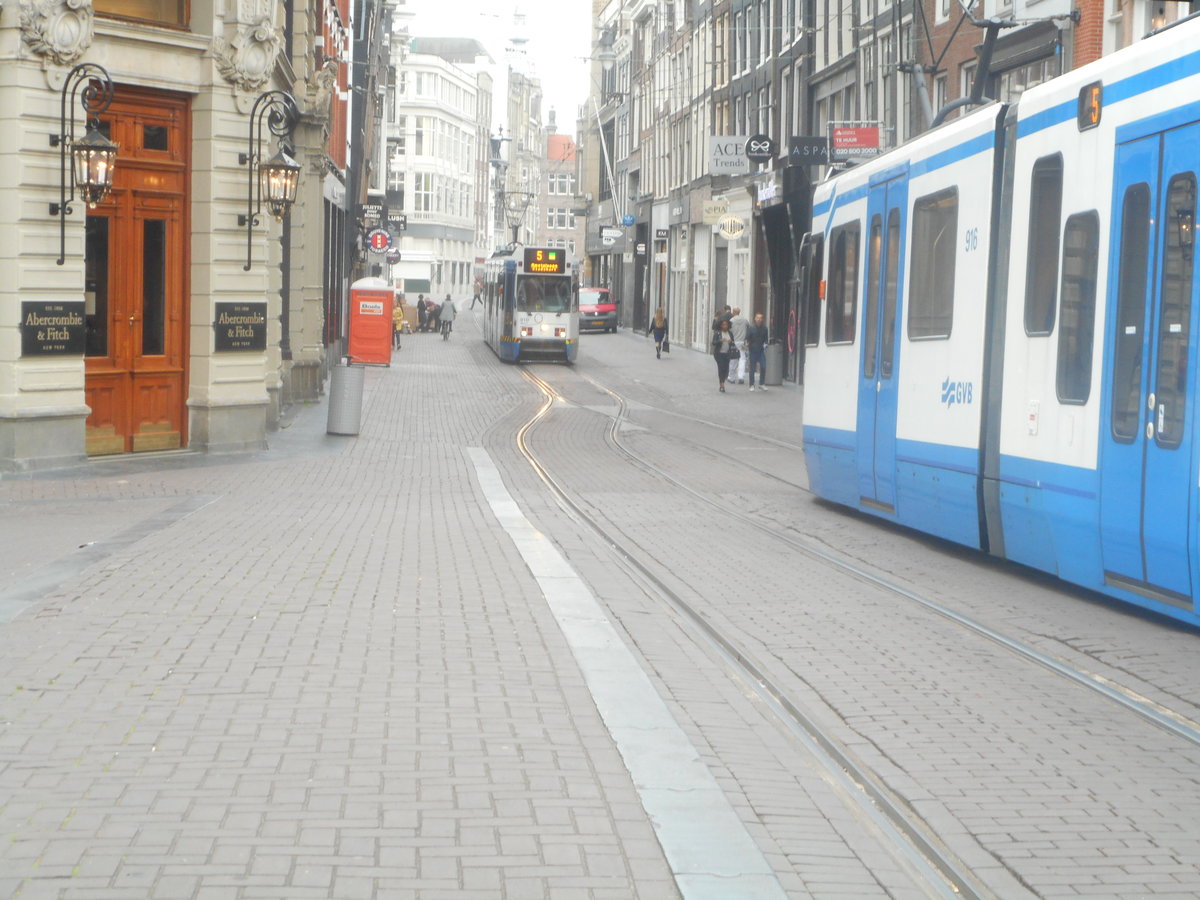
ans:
(627, 219)
(379, 241)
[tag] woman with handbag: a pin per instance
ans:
(724, 350)
(659, 326)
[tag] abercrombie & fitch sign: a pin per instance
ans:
(241, 326)
(52, 328)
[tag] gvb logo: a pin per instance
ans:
(960, 392)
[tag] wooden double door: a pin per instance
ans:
(136, 290)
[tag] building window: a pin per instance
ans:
(560, 218)
(423, 192)
(934, 249)
(168, 12)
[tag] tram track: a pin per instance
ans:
(914, 842)
(1123, 696)
(877, 800)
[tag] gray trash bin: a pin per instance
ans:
(774, 358)
(345, 398)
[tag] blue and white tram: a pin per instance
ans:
(1000, 345)
(531, 305)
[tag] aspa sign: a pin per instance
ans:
(727, 155)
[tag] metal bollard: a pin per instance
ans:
(774, 360)
(345, 398)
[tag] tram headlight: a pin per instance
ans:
(545, 328)
(526, 331)
(560, 332)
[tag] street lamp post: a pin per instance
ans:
(92, 156)
(279, 176)
(516, 204)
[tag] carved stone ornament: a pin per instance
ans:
(313, 94)
(59, 30)
(249, 59)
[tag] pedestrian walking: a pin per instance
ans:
(397, 320)
(724, 350)
(756, 349)
(738, 325)
(446, 317)
(422, 313)
(659, 327)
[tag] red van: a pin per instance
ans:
(597, 309)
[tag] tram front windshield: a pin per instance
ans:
(542, 293)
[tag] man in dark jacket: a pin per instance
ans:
(756, 343)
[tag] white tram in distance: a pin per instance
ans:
(531, 305)
(1001, 328)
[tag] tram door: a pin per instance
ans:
(1148, 469)
(878, 375)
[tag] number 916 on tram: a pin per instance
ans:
(531, 305)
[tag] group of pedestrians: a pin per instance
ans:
(431, 316)
(738, 340)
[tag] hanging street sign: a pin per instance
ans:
(760, 148)
(393, 255)
(731, 227)
(610, 233)
(808, 151)
(379, 241)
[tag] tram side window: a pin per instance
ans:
(934, 251)
(842, 288)
(1081, 244)
(1041, 273)
(813, 273)
(1174, 321)
(1131, 312)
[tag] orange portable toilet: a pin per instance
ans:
(371, 302)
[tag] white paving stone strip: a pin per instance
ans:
(708, 847)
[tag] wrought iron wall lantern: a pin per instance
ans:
(93, 156)
(279, 176)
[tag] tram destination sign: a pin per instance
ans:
(52, 328)
(241, 326)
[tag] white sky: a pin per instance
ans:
(559, 35)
